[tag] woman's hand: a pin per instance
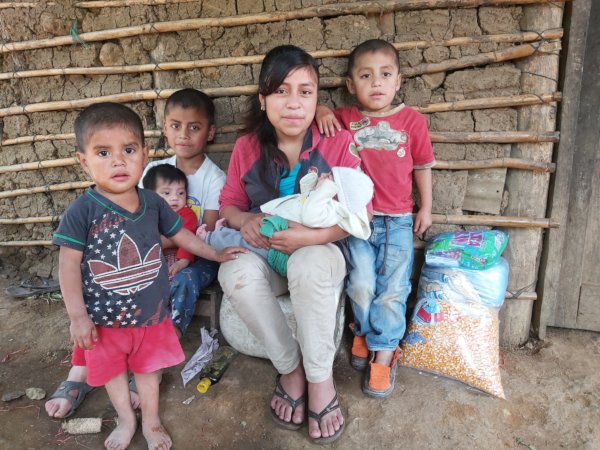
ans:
(250, 227)
(290, 240)
(298, 236)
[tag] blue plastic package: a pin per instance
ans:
(468, 249)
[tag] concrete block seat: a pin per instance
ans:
(239, 337)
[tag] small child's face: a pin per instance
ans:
(374, 81)
(187, 131)
(173, 192)
(114, 158)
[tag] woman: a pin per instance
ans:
(279, 145)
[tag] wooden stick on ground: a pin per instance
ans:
(372, 7)
(257, 59)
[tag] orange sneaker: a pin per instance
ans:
(360, 353)
(380, 379)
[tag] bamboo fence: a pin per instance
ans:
(511, 53)
(524, 37)
(502, 137)
(460, 105)
(362, 8)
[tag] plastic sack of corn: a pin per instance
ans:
(453, 331)
(468, 249)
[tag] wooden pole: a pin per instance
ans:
(496, 163)
(501, 137)
(123, 3)
(491, 102)
(18, 5)
(494, 221)
(561, 265)
(474, 220)
(374, 7)
(520, 51)
(25, 220)
(49, 188)
(462, 105)
(439, 137)
(257, 59)
(529, 194)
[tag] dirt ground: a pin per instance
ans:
(552, 390)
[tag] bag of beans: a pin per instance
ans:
(453, 331)
(477, 249)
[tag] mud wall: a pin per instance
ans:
(456, 192)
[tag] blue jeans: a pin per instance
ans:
(185, 287)
(379, 282)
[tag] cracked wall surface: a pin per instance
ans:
(455, 192)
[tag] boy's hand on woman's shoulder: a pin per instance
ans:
(326, 121)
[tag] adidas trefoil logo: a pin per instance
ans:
(132, 274)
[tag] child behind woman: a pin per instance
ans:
(393, 144)
(188, 126)
(172, 185)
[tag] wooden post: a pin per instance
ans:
(568, 273)
(527, 195)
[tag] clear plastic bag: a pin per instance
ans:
(454, 328)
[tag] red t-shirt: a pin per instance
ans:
(190, 222)
(390, 146)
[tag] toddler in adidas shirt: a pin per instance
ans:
(113, 275)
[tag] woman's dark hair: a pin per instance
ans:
(276, 66)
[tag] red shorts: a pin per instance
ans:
(139, 349)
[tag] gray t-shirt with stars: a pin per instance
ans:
(123, 270)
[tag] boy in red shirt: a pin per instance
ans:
(394, 147)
